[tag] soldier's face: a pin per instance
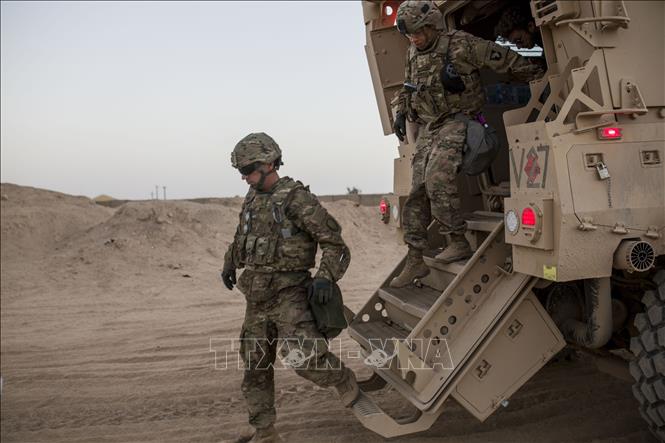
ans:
(421, 38)
(521, 38)
(254, 177)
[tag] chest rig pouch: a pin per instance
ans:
(269, 240)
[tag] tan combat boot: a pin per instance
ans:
(457, 249)
(348, 389)
(414, 268)
(266, 435)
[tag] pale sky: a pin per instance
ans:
(115, 98)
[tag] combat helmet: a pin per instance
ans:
(413, 15)
(257, 147)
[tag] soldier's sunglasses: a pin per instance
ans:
(246, 170)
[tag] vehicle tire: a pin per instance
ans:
(648, 366)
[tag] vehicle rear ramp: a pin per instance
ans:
(472, 330)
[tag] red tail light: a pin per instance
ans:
(528, 217)
(609, 133)
(383, 207)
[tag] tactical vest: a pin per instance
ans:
(269, 241)
(430, 100)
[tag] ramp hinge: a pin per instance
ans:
(587, 225)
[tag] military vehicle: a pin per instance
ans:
(567, 225)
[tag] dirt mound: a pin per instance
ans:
(178, 234)
(148, 233)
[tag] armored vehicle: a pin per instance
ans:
(567, 225)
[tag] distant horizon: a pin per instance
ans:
(177, 199)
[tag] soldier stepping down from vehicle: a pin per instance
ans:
(281, 225)
(442, 91)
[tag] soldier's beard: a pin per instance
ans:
(258, 186)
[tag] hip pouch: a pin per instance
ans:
(481, 146)
(329, 317)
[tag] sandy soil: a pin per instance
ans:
(107, 317)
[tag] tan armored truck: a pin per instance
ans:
(567, 225)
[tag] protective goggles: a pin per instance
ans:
(246, 170)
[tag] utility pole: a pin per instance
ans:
(156, 192)
(152, 195)
(164, 188)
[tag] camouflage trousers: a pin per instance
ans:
(434, 193)
(278, 319)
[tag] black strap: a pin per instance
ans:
(446, 47)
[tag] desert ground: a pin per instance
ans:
(107, 316)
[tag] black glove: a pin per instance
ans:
(229, 275)
(320, 288)
(399, 126)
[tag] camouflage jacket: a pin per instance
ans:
(467, 54)
(280, 229)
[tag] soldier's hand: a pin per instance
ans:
(399, 126)
(229, 275)
(321, 288)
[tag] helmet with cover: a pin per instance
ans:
(256, 148)
(413, 15)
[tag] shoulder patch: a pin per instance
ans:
(495, 55)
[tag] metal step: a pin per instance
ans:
(441, 274)
(412, 300)
(453, 268)
(483, 221)
(372, 336)
(375, 419)
(376, 334)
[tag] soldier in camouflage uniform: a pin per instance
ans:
(281, 224)
(441, 90)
